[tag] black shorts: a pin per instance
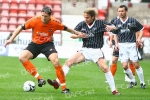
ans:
(46, 49)
(116, 53)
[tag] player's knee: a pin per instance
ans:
(55, 62)
(105, 69)
(136, 65)
(114, 61)
(22, 58)
(68, 63)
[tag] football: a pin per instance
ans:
(29, 86)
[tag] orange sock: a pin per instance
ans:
(132, 69)
(113, 69)
(61, 76)
(31, 69)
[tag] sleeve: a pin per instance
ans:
(107, 23)
(114, 23)
(138, 25)
(78, 27)
(112, 20)
(29, 24)
(59, 26)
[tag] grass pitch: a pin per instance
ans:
(86, 82)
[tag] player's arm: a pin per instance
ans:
(116, 42)
(73, 36)
(72, 31)
(27, 25)
(15, 33)
(110, 38)
(82, 35)
(139, 28)
(139, 36)
(109, 26)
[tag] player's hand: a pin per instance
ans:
(82, 35)
(7, 43)
(139, 43)
(108, 28)
(116, 47)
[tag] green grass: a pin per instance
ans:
(86, 82)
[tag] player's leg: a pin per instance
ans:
(102, 64)
(139, 70)
(76, 58)
(48, 49)
(124, 56)
(113, 67)
(131, 66)
(29, 53)
(129, 74)
(59, 72)
(98, 57)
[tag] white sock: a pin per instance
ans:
(110, 80)
(66, 70)
(140, 75)
(128, 72)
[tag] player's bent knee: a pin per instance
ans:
(69, 63)
(55, 62)
(22, 59)
(105, 69)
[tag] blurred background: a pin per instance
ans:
(70, 12)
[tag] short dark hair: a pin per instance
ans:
(47, 10)
(124, 6)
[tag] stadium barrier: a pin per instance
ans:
(63, 51)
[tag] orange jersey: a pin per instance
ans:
(42, 33)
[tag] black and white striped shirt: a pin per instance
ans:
(126, 31)
(95, 33)
(112, 21)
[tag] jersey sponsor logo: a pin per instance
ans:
(83, 30)
(42, 33)
(124, 30)
(42, 37)
(131, 25)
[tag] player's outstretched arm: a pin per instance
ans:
(73, 36)
(15, 33)
(81, 35)
(72, 31)
(76, 34)
(110, 39)
(110, 28)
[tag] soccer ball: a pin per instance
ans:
(29, 86)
